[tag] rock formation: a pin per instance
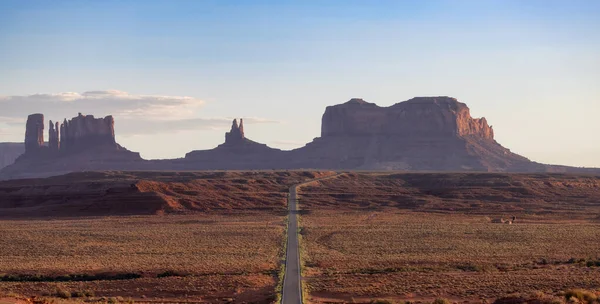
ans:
(81, 143)
(236, 135)
(420, 134)
(238, 152)
(85, 131)
(423, 133)
(418, 117)
(53, 137)
(34, 133)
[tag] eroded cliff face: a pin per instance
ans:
(417, 117)
(82, 143)
(34, 133)
(423, 133)
(236, 134)
(86, 131)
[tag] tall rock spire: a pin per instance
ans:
(53, 137)
(242, 127)
(34, 133)
(236, 134)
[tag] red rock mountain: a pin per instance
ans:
(81, 143)
(238, 152)
(420, 134)
(423, 133)
(422, 116)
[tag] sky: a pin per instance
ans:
(175, 73)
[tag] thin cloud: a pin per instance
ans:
(134, 114)
(101, 103)
(143, 127)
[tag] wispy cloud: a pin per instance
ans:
(134, 114)
(101, 103)
(141, 127)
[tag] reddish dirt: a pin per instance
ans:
(563, 196)
(130, 193)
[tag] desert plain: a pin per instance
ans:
(217, 237)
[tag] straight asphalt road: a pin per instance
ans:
(292, 281)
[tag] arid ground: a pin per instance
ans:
(195, 257)
(150, 236)
(218, 237)
(418, 237)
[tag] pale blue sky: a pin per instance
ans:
(532, 68)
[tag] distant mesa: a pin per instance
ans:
(79, 134)
(420, 134)
(80, 144)
(420, 116)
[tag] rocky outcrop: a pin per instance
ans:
(236, 134)
(418, 117)
(53, 137)
(34, 133)
(423, 133)
(85, 132)
(237, 152)
(420, 134)
(82, 143)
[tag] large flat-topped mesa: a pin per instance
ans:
(420, 116)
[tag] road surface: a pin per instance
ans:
(292, 282)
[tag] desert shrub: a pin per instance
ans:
(62, 293)
(169, 273)
(381, 301)
(535, 298)
(78, 294)
(43, 301)
(441, 301)
(510, 300)
(581, 295)
(82, 294)
(470, 268)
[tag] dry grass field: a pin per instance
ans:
(196, 257)
(379, 236)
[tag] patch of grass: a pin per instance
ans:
(583, 296)
(62, 293)
(280, 276)
(375, 254)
